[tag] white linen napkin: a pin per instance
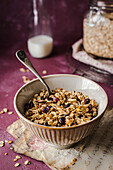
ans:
(83, 57)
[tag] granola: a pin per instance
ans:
(61, 108)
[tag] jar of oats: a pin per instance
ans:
(98, 29)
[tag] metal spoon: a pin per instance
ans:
(25, 60)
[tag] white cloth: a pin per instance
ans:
(83, 57)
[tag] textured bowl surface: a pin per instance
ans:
(61, 136)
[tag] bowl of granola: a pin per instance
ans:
(69, 114)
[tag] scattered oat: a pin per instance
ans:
(6, 153)
(10, 113)
(6, 141)
(15, 160)
(82, 147)
(2, 112)
(5, 110)
(22, 70)
(27, 162)
(9, 142)
(18, 157)
(73, 161)
(17, 164)
(2, 143)
(44, 71)
(25, 79)
(27, 70)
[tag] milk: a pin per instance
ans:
(40, 46)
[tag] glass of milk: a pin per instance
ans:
(40, 41)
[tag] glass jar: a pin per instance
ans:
(98, 29)
(40, 41)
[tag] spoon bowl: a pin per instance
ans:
(22, 57)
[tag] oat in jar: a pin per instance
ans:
(98, 29)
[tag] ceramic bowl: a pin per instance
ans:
(61, 136)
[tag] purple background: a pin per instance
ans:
(67, 16)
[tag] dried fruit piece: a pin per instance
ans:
(27, 162)
(2, 143)
(62, 120)
(86, 101)
(17, 164)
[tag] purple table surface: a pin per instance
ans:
(67, 27)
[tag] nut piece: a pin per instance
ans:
(27, 162)
(44, 72)
(2, 143)
(17, 164)
(18, 157)
(9, 142)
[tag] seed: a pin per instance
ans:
(2, 143)
(18, 157)
(5, 110)
(27, 162)
(44, 72)
(15, 160)
(17, 164)
(6, 153)
(9, 142)
(9, 113)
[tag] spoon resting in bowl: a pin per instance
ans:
(25, 60)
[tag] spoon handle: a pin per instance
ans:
(25, 60)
